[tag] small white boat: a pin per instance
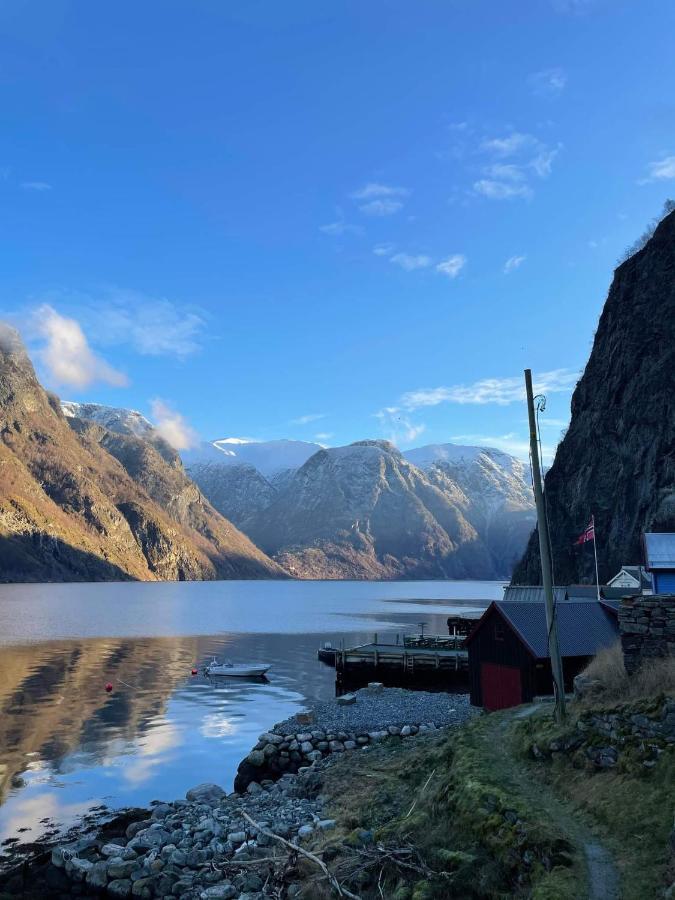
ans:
(236, 670)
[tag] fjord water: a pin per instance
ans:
(67, 746)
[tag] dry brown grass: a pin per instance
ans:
(656, 676)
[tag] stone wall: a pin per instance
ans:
(278, 753)
(647, 626)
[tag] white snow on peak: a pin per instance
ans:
(124, 421)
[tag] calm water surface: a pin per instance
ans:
(67, 746)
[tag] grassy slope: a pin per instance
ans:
(447, 797)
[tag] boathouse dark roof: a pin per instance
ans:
(531, 593)
(584, 626)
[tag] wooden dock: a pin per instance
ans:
(437, 660)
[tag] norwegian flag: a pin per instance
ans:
(588, 534)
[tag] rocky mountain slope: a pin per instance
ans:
(78, 502)
(364, 511)
(617, 460)
(497, 491)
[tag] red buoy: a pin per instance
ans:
(108, 686)
(194, 671)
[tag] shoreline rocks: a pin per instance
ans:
(352, 722)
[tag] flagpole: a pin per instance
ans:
(595, 554)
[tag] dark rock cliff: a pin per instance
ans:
(617, 460)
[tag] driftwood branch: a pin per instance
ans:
(426, 785)
(341, 891)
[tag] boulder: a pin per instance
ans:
(206, 793)
(121, 887)
(97, 876)
(346, 700)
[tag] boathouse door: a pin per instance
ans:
(500, 686)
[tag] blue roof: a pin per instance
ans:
(584, 627)
(660, 550)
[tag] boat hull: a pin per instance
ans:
(238, 671)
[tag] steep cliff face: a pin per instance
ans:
(617, 460)
(80, 503)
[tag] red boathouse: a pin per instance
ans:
(509, 661)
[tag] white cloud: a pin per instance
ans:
(385, 206)
(375, 189)
(501, 190)
(383, 249)
(510, 145)
(661, 169)
(452, 266)
(172, 426)
(67, 355)
(305, 420)
(542, 163)
(36, 186)
(397, 425)
(323, 436)
(505, 171)
(410, 263)
(507, 180)
(381, 199)
(548, 82)
(152, 326)
(339, 228)
(500, 391)
(513, 262)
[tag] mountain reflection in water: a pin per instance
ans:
(67, 746)
(159, 731)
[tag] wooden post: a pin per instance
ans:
(545, 557)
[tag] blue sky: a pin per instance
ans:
(326, 221)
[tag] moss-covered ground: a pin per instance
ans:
(472, 814)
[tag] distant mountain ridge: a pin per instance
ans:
(365, 510)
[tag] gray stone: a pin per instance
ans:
(142, 888)
(350, 745)
(223, 891)
(315, 755)
(303, 737)
(121, 887)
(326, 824)
(112, 850)
(206, 793)
(236, 837)
(346, 700)
(254, 788)
(119, 868)
(149, 839)
(394, 730)
(97, 876)
(256, 758)
(336, 747)
(305, 831)
(77, 868)
(306, 747)
(161, 811)
(406, 731)
(375, 687)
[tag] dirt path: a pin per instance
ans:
(603, 881)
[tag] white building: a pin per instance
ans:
(634, 577)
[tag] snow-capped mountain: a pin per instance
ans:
(269, 457)
(119, 420)
(364, 511)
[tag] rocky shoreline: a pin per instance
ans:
(349, 723)
(217, 845)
